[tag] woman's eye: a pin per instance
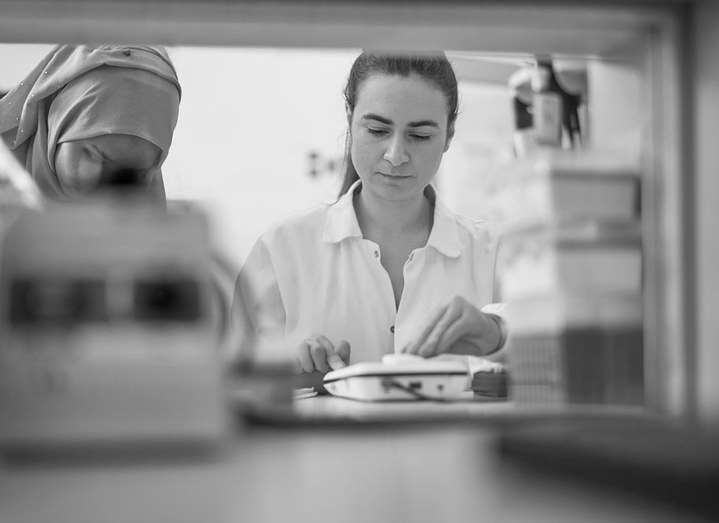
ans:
(377, 132)
(421, 137)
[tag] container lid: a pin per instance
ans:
(540, 79)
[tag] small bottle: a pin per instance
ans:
(547, 110)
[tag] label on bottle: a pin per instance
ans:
(547, 118)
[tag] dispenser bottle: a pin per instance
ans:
(547, 109)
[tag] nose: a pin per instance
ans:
(396, 153)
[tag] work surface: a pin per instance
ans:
(394, 472)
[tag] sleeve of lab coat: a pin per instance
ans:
(258, 313)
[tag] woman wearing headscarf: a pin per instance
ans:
(87, 112)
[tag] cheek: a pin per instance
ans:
(74, 170)
(364, 154)
(65, 163)
(430, 158)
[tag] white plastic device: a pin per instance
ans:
(399, 377)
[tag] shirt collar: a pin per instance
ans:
(342, 222)
(444, 235)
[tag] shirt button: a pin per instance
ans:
(391, 329)
(376, 254)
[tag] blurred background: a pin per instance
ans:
(261, 131)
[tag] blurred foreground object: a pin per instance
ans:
(571, 268)
(17, 189)
(105, 327)
(666, 463)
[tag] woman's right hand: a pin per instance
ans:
(319, 354)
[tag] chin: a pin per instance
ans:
(393, 192)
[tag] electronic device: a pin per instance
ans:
(105, 328)
(400, 377)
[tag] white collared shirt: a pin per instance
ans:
(315, 274)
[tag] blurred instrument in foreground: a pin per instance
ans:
(105, 328)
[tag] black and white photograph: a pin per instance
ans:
(392, 261)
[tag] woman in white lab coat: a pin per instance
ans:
(387, 268)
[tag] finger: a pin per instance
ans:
(297, 365)
(344, 350)
(318, 351)
(472, 327)
(430, 346)
(413, 346)
(454, 331)
(334, 361)
(326, 343)
(303, 357)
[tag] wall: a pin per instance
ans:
(17, 60)
(248, 119)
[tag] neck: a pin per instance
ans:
(392, 217)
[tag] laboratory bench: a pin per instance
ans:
(331, 459)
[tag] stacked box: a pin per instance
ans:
(580, 366)
(570, 268)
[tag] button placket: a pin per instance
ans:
(374, 249)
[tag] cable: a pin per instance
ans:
(388, 383)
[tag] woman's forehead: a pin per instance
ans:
(404, 97)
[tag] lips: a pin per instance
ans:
(394, 176)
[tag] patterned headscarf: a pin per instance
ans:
(79, 92)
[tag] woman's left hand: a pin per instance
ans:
(459, 324)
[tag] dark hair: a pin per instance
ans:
(434, 68)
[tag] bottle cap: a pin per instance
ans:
(540, 79)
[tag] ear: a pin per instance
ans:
(348, 112)
(450, 135)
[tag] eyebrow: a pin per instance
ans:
(382, 119)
